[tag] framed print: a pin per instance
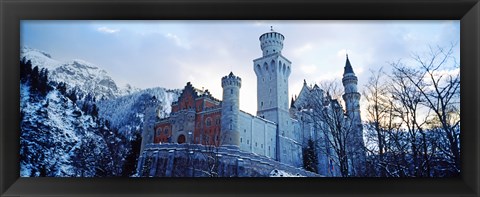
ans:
(151, 98)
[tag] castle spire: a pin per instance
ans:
(348, 67)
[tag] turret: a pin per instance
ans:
(354, 122)
(351, 96)
(272, 71)
(271, 42)
(230, 135)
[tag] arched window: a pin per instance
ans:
(158, 132)
(166, 130)
(208, 122)
(272, 64)
(181, 139)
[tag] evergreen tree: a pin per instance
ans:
(129, 167)
(310, 157)
(72, 95)
(34, 80)
(25, 70)
(62, 88)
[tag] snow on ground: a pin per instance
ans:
(281, 173)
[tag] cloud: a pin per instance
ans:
(302, 50)
(179, 42)
(107, 30)
(308, 69)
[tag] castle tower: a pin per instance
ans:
(230, 135)
(272, 71)
(351, 95)
(354, 121)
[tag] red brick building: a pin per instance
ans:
(195, 118)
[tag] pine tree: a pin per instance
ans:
(310, 157)
(34, 79)
(72, 95)
(62, 88)
(131, 159)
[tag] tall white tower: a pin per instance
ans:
(354, 121)
(351, 95)
(273, 70)
(230, 135)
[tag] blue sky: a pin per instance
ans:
(170, 53)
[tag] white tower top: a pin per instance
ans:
(271, 42)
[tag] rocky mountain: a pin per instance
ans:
(79, 74)
(75, 120)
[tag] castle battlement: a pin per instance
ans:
(230, 80)
(271, 43)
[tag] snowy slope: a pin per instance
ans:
(39, 58)
(52, 130)
(80, 74)
(59, 139)
(126, 113)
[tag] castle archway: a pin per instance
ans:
(181, 139)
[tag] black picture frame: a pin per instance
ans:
(12, 11)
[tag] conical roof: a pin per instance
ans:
(348, 67)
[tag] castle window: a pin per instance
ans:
(261, 145)
(166, 131)
(231, 91)
(240, 140)
(208, 122)
(159, 131)
(231, 108)
(244, 130)
(248, 141)
(255, 144)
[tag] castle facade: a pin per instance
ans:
(278, 130)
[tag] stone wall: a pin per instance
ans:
(193, 160)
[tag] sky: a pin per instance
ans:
(169, 54)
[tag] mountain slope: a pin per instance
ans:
(126, 113)
(81, 75)
(90, 129)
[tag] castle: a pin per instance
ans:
(278, 131)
